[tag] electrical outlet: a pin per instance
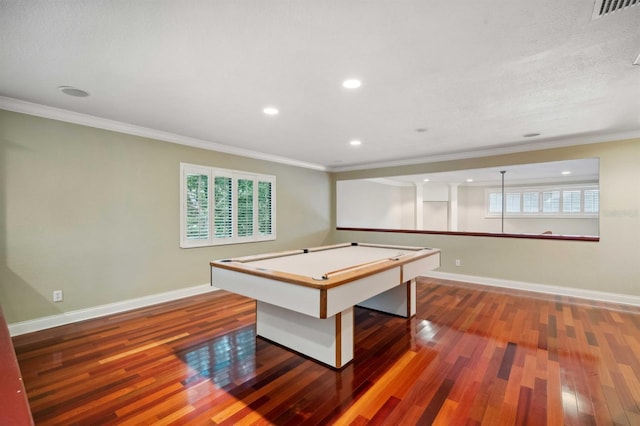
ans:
(57, 295)
(458, 262)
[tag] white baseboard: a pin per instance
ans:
(43, 323)
(602, 296)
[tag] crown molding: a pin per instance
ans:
(29, 108)
(59, 114)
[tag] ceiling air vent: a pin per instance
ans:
(606, 7)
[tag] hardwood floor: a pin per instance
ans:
(472, 355)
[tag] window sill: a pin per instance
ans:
(225, 242)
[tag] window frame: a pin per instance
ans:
(212, 239)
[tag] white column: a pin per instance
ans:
(419, 218)
(453, 207)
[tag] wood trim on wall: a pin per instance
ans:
(479, 234)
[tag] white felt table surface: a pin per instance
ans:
(315, 264)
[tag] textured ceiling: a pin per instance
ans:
(477, 75)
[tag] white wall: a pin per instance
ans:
(436, 192)
(436, 216)
(366, 204)
(436, 207)
(408, 208)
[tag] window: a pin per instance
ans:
(592, 201)
(197, 206)
(530, 203)
(265, 223)
(571, 201)
(220, 206)
(495, 202)
(551, 201)
(245, 208)
(223, 212)
(566, 201)
(513, 202)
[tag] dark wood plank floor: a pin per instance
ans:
(470, 356)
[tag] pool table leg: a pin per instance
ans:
(328, 340)
(399, 300)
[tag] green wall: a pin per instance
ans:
(95, 213)
(611, 265)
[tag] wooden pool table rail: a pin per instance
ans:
(352, 273)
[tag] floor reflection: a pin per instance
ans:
(224, 359)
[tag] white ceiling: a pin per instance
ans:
(585, 170)
(477, 75)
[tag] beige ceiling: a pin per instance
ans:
(477, 75)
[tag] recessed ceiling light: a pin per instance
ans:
(355, 143)
(469, 180)
(426, 180)
(351, 83)
(566, 172)
(531, 135)
(72, 91)
(271, 111)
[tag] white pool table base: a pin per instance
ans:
(328, 340)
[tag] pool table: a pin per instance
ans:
(305, 298)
